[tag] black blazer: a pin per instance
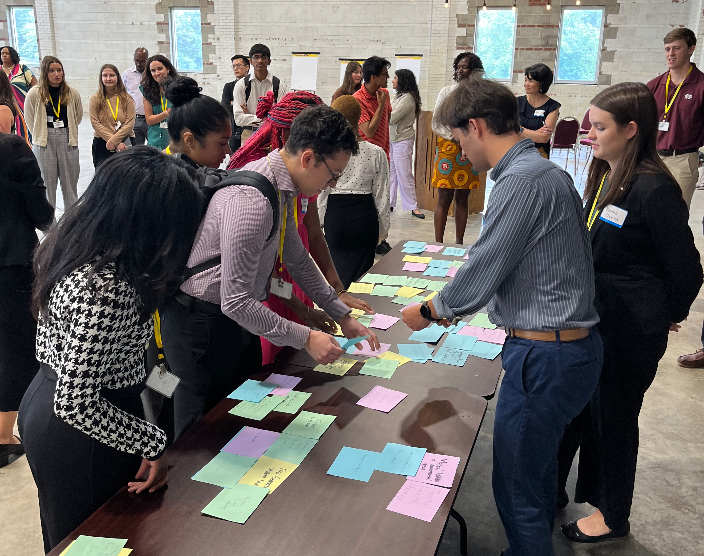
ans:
(648, 272)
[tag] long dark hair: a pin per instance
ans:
(152, 90)
(198, 113)
(627, 102)
(347, 87)
(7, 97)
(141, 212)
(407, 84)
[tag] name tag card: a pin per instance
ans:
(164, 125)
(58, 123)
(614, 216)
(281, 288)
(539, 113)
(118, 125)
(162, 381)
(304, 205)
(663, 126)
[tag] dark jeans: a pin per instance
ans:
(546, 385)
(140, 130)
(607, 430)
(100, 151)
(211, 354)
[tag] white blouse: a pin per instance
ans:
(441, 130)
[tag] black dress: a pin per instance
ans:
(534, 118)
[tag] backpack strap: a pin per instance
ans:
(276, 82)
(247, 88)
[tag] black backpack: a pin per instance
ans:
(248, 87)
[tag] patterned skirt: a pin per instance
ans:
(450, 169)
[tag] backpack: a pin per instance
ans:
(248, 88)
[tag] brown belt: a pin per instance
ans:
(562, 335)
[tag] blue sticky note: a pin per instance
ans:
(455, 327)
(400, 459)
(451, 356)
(435, 271)
(420, 353)
(485, 350)
(459, 341)
(352, 463)
(430, 335)
(353, 341)
(414, 244)
(437, 263)
(413, 250)
(252, 391)
(454, 252)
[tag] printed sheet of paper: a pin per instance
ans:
(459, 341)
(257, 411)
(293, 402)
(418, 500)
(383, 322)
(360, 288)
(352, 463)
(95, 546)
(400, 459)
(236, 504)
(374, 278)
(482, 320)
(382, 399)
(339, 367)
(438, 470)
(252, 391)
(414, 267)
(284, 383)
(250, 442)
(393, 357)
(451, 356)
(292, 449)
(268, 473)
(224, 470)
(309, 425)
(376, 366)
(485, 350)
(368, 351)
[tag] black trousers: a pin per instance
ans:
(140, 130)
(100, 151)
(606, 432)
(74, 473)
(352, 232)
(18, 334)
(210, 353)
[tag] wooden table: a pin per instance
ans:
(311, 513)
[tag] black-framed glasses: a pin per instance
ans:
(260, 57)
(333, 177)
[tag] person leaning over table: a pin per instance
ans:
(532, 265)
(217, 317)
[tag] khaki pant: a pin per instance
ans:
(685, 169)
(246, 134)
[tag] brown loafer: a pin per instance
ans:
(692, 361)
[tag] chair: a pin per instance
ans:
(565, 138)
(584, 129)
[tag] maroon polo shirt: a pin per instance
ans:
(686, 115)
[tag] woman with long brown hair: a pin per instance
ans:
(8, 106)
(112, 115)
(156, 106)
(53, 111)
(647, 274)
(352, 81)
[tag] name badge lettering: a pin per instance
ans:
(304, 205)
(663, 126)
(58, 123)
(50, 119)
(118, 125)
(281, 288)
(614, 215)
(540, 113)
(162, 381)
(164, 125)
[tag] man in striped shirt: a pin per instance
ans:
(532, 264)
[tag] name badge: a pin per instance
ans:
(281, 288)
(118, 125)
(304, 205)
(614, 216)
(58, 123)
(663, 126)
(540, 113)
(164, 125)
(50, 119)
(162, 381)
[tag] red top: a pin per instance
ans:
(686, 115)
(369, 106)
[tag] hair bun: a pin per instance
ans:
(181, 90)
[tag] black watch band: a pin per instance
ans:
(425, 312)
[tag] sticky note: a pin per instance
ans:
(421, 283)
(414, 244)
(395, 281)
(224, 470)
(368, 351)
(407, 291)
(382, 399)
(256, 411)
(95, 546)
(482, 319)
(496, 336)
(433, 248)
(352, 463)
(357, 312)
(430, 296)
(309, 425)
(439, 263)
(236, 504)
(123, 552)
(293, 402)
(374, 278)
(436, 285)
(407, 300)
(268, 473)
(420, 353)
(252, 391)
(385, 291)
(418, 500)
(451, 356)
(454, 252)
(339, 367)
(291, 449)
(353, 341)
(400, 459)
(391, 356)
(284, 383)
(486, 350)
(356, 287)
(438, 470)
(456, 264)
(250, 442)
(459, 341)
(452, 271)
(454, 328)
(414, 267)
(383, 322)
(365, 320)
(416, 259)
(435, 271)
(382, 368)
(429, 335)
(414, 250)
(402, 309)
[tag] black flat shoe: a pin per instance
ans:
(571, 531)
(392, 209)
(418, 215)
(10, 453)
(562, 501)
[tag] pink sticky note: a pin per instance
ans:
(418, 500)
(251, 442)
(436, 469)
(468, 330)
(383, 322)
(286, 383)
(466, 257)
(415, 267)
(452, 271)
(433, 248)
(496, 336)
(382, 399)
(402, 309)
(366, 350)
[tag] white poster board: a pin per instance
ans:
(411, 62)
(304, 71)
(343, 66)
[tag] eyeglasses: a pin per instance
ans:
(333, 177)
(259, 57)
(238, 66)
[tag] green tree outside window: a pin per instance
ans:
(24, 32)
(187, 48)
(580, 34)
(496, 33)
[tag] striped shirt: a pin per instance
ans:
(532, 262)
(236, 225)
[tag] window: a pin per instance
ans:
(581, 32)
(23, 34)
(495, 40)
(186, 40)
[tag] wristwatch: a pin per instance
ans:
(425, 312)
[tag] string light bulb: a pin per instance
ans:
(484, 6)
(578, 2)
(549, 6)
(447, 3)
(514, 6)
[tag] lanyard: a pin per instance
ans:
(117, 107)
(295, 213)
(595, 213)
(164, 104)
(157, 334)
(667, 92)
(57, 112)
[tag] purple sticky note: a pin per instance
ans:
(383, 322)
(468, 330)
(251, 442)
(466, 257)
(402, 309)
(382, 399)
(436, 469)
(415, 267)
(285, 383)
(452, 271)
(418, 500)
(433, 248)
(366, 350)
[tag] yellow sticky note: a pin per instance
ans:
(338, 331)
(357, 312)
(123, 552)
(407, 291)
(429, 297)
(394, 357)
(356, 287)
(268, 473)
(339, 367)
(416, 259)
(424, 260)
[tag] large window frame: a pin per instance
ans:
(480, 10)
(14, 39)
(594, 81)
(173, 16)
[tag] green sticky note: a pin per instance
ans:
(224, 470)
(256, 411)
(293, 402)
(382, 368)
(457, 264)
(374, 278)
(365, 320)
(482, 320)
(291, 449)
(386, 291)
(237, 503)
(407, 300)
(435, 285)
(309, 425)
(396, 281)
(95, 546)
(418, 283)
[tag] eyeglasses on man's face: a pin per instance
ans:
(333, 177)
(238, 66)
(260, 58)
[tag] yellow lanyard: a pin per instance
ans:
(157, 334)
(667, 92)
(57, 112)
(594, 213)
(164, 104)
(117, 107)
(295, 211)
